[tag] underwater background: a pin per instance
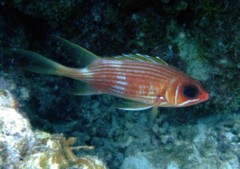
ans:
(43, 127)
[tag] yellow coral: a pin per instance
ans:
(55, 151)
(68, 158)
(91, 162)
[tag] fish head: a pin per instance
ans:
(185, 92)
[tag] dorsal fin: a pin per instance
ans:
(82, 57)
(140, 57)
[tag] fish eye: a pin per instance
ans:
(190, 91)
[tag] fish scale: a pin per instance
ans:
(105, 79)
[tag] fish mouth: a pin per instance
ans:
(205, 97)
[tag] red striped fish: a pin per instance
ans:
(144, 81)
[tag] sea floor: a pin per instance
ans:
(128, 143)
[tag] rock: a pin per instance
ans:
(137, 162)
(20, 147)
(16, 137)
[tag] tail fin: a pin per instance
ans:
(37, 63)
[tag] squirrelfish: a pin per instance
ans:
(143, 80)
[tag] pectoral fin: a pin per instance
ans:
(132, 105)
(154, 113)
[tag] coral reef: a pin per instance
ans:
(211, 143)
(16, 136)
(55, 151)
(202, 39)
(23, 148)
(137, 162)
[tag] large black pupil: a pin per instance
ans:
(190, 91)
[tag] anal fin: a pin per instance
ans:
(82, 89)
